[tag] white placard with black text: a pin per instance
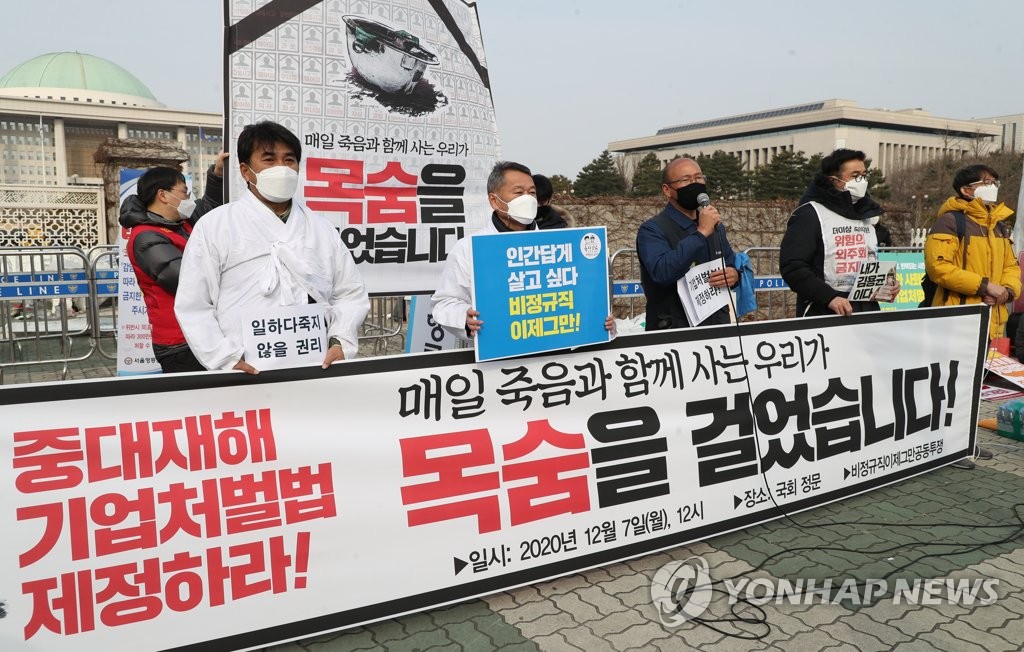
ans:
(291, 336)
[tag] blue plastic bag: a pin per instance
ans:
(745, 301)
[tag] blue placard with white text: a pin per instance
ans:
(540, 291)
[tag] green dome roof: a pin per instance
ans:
(95, 77)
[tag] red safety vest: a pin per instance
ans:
(159, 302)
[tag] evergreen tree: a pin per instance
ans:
(561, 183)
(647, 176)
(812, 168)
(877, 186)
(599, 177)
(785, 177)
(726, 177)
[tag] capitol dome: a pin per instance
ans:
(76, 77)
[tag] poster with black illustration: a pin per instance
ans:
(391, 102)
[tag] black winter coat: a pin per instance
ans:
(802, 253)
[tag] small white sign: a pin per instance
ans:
(701, 299)
(590, 246)
(876, 281)
(425, 334)
(291, 336)
(1005, 366)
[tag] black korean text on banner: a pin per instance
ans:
(394, 115)
(438, 479)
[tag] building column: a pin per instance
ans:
(122, 130)
(60, 154)
(183, 143)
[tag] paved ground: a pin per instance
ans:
(950, 523)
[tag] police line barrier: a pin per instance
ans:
(774, 298)
(45, 299)
(104, 263)
(60, 305)
(628, 292)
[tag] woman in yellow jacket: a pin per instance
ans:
(983, 268)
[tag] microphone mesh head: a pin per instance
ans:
(703, 200)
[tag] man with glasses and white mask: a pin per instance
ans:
(682, 235)
(983, 269)
(512, 195)
(973, 262)
(264, 252)
(830, 236)
(159, 219)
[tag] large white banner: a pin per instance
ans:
(221, 511)
(392, 103)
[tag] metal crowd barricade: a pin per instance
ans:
(382, 330)
(774, 299)
(383, 327)
(627, 293)
(60, 305)
(104, 267)
(44, 307)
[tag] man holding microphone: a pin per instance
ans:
(687, 232)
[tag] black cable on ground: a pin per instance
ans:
(761, 618)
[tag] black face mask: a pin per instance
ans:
(687, 195)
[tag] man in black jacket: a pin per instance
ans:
(160, 217)
(548, 217)
(829, 236)
(682, 235)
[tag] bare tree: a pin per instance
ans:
(924, 187)
(981, 144)
(625, 165)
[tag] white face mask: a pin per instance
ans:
(522, 209)
(987, 194)
(277, 184)
(185, 208)
(857, 189)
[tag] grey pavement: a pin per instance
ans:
(949, 523)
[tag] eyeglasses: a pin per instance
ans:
(857, 178)
(183, 191)
(697, 178)
(985, 182)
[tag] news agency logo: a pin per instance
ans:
(682, 591)
(850, 591)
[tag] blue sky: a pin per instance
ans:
(568, 76)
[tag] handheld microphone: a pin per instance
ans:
(703, 201)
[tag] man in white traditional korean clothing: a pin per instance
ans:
(265, 252)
